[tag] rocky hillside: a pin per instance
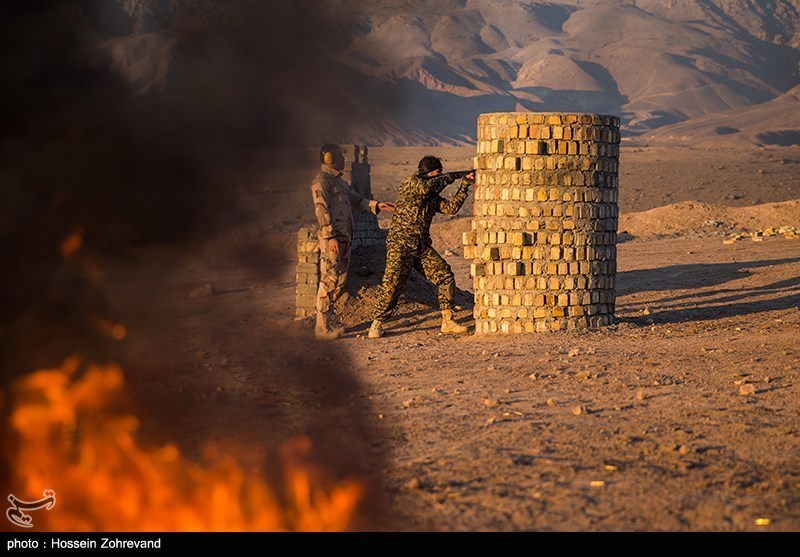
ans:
(420, 72)
(389, 72)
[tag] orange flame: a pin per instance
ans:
(71, 244)
(59, 433)
(105, 327)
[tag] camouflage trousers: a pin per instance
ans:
(332, 274)
(399, 263)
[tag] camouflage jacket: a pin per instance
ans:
(333, 199)
(417, 202)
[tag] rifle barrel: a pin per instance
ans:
(456, 174)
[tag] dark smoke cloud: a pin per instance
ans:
(88, 148)
(91, 147)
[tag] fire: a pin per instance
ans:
(60, 433)
(71, 244)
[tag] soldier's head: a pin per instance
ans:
(331, 154)
(429, 166)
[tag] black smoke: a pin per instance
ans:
(88, 148)
(98, 145)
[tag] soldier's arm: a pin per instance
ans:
(320, 192)
(364, 204)
(452, 206)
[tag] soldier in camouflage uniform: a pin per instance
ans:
(333, 198)
(409, 245)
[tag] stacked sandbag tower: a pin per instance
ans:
(544, 227)
(366, 231)
(307, 272)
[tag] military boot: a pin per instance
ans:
(375, 330)
(450, 326)
(324, 329)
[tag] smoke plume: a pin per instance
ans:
(127, 126)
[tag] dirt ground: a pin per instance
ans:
(681, 417)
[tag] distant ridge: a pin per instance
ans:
(420, 72)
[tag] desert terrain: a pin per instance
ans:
(156, 170)
(681, 417)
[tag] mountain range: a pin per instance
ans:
(420, 72)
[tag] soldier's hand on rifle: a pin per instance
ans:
(386, 206)
(333, 245)
(470, 176)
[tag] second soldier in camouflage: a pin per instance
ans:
(333, 202)
(409, 245)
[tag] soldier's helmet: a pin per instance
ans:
(332, 154)
(429, 164)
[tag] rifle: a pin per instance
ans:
(451, 176)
